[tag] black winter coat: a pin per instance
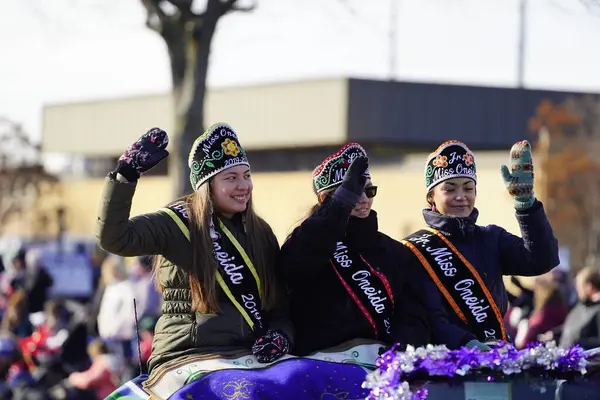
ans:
(493, 252)
(322, 311)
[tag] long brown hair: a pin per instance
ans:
(262, 248)
(320, 199)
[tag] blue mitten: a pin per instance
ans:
(519, 180)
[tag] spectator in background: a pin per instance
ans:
(44, 345)
(101, 378)
(16, 381)
(16, 320)
(147, 297)
(549, 311)
(37, 281)
(29, 275)
(116, 318)
(15, 278)
(8, 355)
(566, 285)
(519, 309)
(582, 325)
(138, 364)
(3, 296)
(146, 336)
(97, 260)
(148, 301)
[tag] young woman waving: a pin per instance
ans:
(216, 257)
(463, 263)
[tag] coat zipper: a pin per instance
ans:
(194, 331)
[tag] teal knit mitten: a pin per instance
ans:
(478, 345)
(519, 180)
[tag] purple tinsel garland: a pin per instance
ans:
(396, 369)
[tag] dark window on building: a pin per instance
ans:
(307, 159)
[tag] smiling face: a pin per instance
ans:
(455, 197)
(231, 190)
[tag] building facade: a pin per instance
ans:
(289, 128)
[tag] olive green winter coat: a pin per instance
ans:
(179, 331)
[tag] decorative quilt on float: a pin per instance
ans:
(334, 374)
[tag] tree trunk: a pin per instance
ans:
(189, 52)
(188, 36)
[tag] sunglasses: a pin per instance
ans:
(371, 191)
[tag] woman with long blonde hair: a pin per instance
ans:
(215, 257)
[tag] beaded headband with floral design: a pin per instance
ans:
(331, 171)
(452, 159)
(216, 150)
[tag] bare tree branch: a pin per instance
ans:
(348, 7)
(184, 6)
(155, 16)
(590, 3)
(233, 5)
(558, 6)
(593, 6)
(22, 174)
(247, 8)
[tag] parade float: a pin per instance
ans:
(542, 371)
(536, 372)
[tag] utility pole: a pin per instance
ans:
(522, 43)
(393, 38)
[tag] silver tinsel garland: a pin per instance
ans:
(396, 369)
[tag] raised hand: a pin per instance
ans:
(356, 176)
(144, 154)
(519, 179)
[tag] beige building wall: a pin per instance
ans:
(284, 198)
(103, 128)
(281, 115)
(307, 113)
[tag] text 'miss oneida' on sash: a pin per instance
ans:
(368, 288)
(237, 276)
(459, 282)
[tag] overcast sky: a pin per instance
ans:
(94, 49)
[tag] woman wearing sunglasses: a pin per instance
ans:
(343, 275)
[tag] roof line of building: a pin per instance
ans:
(266, 84)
